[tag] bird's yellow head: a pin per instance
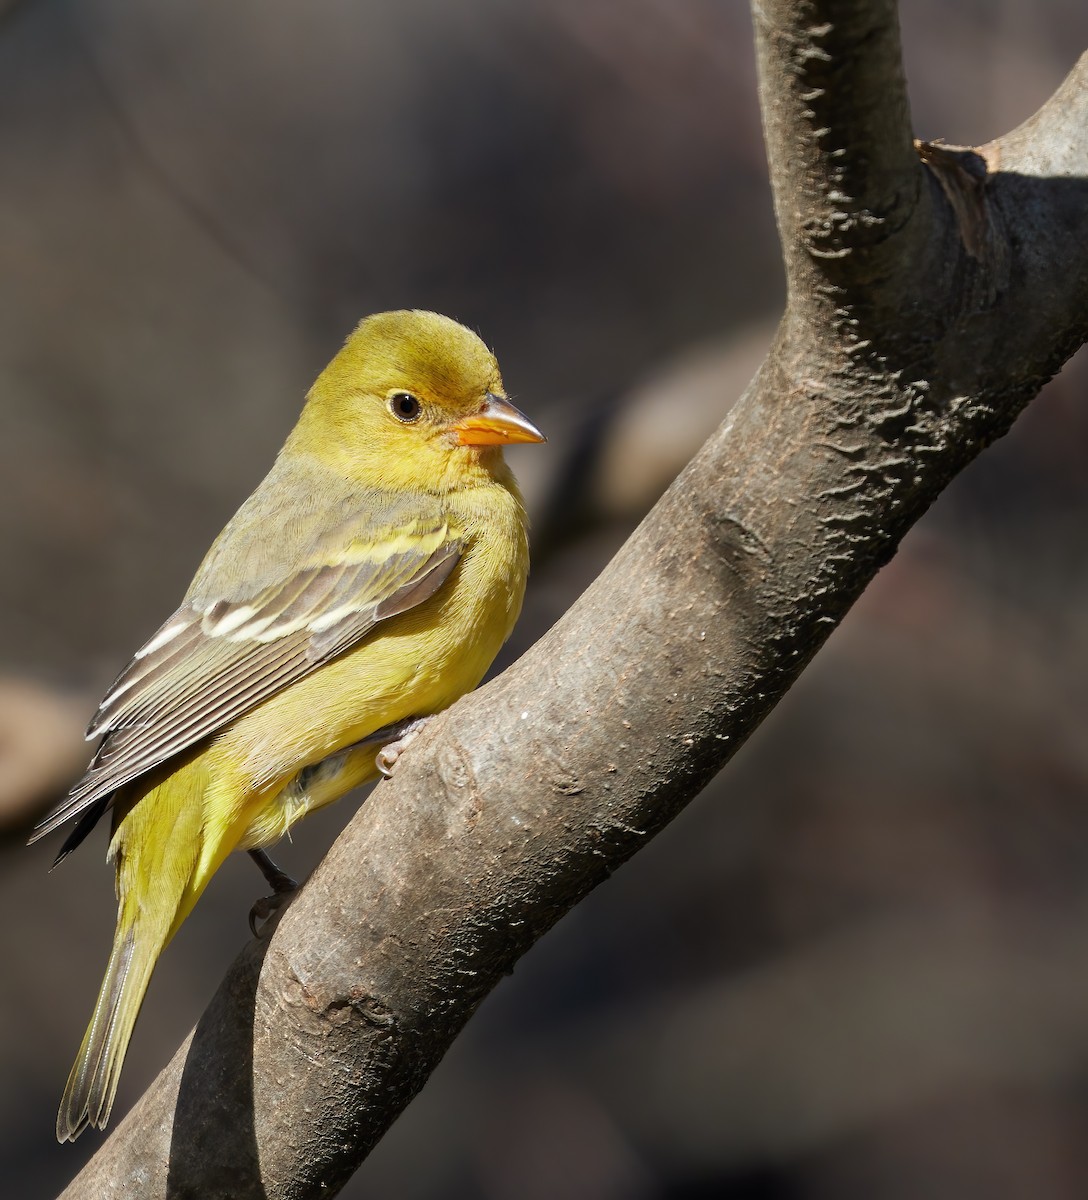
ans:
(412, 399)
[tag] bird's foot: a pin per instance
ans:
(283, 888)
(406, 734)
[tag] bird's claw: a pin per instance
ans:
(261, 914)
(390, 753)
(283, 888)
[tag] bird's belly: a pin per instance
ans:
(413, 666)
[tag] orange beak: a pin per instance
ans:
(498, 423)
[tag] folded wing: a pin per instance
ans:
(230, 646)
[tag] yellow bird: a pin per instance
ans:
(367, 583)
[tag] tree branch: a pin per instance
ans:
(848, 184)
(927, 304)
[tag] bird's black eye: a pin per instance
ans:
(405, 407)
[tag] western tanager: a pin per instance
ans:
(368, 582)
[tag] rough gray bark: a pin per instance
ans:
(932, 291)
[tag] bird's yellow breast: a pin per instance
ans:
(411, 665)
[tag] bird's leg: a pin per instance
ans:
(309, 787)
(279, 881)
(403, 736)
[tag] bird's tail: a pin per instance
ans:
(157, 846)
(92, 1085)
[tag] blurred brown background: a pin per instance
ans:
(858, 966)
